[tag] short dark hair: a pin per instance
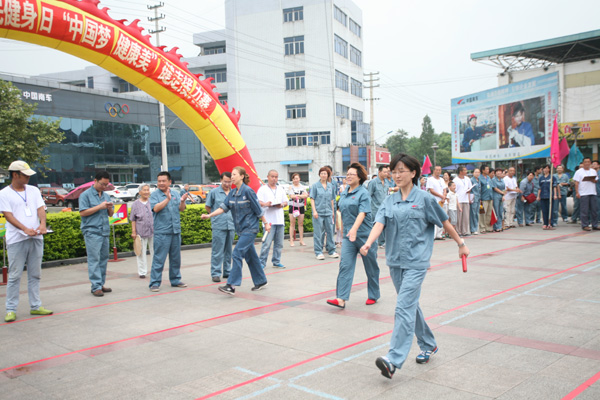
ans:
(537, 168)
(360, 171)
(164, 173)
(484, 166)
(226, 174)
(595, 161)
(461, 168)
(587, 158)
(409, 162)
(102, 175)
(381, 167)
(517, 108)
(294, 175)
(499, 169)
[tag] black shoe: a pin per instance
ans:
(216, 279)
(225, 276)
(106, 289)
(386, 367)
(259, 287)
(228, 289)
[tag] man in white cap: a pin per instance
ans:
(23, 207)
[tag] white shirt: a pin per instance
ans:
(462, 188)
(16, 203)
(274, 215)
(437, 185)
(511, 183)
(452, 203)
(586, 188)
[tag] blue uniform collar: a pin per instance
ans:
(354, 191)
(411, 196)
(238, 191)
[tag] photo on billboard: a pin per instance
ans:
(478, 130)
(505, 123)
(522, 123)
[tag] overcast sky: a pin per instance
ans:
(421, 48)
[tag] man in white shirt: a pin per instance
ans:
(273, 199)
(585, 187)
(435, 186)
(463, 188)
(512, 191)
(23, 207)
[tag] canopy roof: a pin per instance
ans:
(565, 49)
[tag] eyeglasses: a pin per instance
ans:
(351, 174)
(103, 183)
(400, 171)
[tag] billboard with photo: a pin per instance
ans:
(505, 123)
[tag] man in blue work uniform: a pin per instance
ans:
(527, 187)
(472, 133)
(486, 200)
(562, 180)
(223, 230)
(166, 205)
(95, 207)
(322, 202)
(474, 209)
(378, 190)
(535, 208)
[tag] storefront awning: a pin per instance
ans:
(296, 162)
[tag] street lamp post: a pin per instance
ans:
(434, 147)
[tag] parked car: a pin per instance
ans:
(134, 188)
(120, 194)
(54, 195)
(201, 191)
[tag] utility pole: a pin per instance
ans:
(161, 107)
(372, 85)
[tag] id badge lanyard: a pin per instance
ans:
(27, 209)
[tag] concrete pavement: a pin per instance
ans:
(523, 323)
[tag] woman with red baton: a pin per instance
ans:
(409, 217)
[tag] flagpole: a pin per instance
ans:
(551, 193)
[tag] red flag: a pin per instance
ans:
(563, 149)
(554, 147)
(493, 219)
(426, 170)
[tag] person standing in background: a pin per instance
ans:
(272, 199)
(223, 231)
(498, 196)
(476, 200)
(486, 200)
(142, 225)
(585, 188)
(322, 198)
(297, 195)
(378, 190)
(435, 186)
(512, 191)
(463, 189)
(562, 179)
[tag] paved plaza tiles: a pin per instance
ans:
(523, 323)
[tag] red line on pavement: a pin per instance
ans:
(578, 390)
(269, 374)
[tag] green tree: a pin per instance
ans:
(427, 138)
(23, 137)
(398, 142)
(212, 172)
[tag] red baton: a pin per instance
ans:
(464, 262)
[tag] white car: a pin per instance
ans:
(119, 195)
(134, 188)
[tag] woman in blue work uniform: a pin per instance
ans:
(409, 217)
(322, 196)
(544, 195)
(357, 221)
(244, 206)
(498, 192)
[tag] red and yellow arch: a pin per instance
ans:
(81, 29)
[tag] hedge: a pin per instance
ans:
(67, 239)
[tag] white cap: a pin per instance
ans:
(22, 167)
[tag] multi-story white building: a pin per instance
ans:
(294, 70)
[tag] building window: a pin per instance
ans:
(172, 148)
(341, 81)
(90, 82)
(355, 56)
(356, 88)
(342, 111)
(357, 115)
(341, 46)
(125, 86)
(294, 45)
(340, 16)
(293, 14)
(219, 75)
(295, 111)
(308, 138)
(294, 80)
(214, 50)
(223, 99)
(355, 28)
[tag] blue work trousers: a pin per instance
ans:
(576, 208)
(97, 250)
(323, 226)
(275, 236)
(536, 212)
(408, 317)
(545, 203)
(30, 252)
(499, 209)
(554, 217)
(350, 251)
(222, 247)
(563, 208)
(244, 249)
(166, 244)
(474, 215)
(519, 210)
